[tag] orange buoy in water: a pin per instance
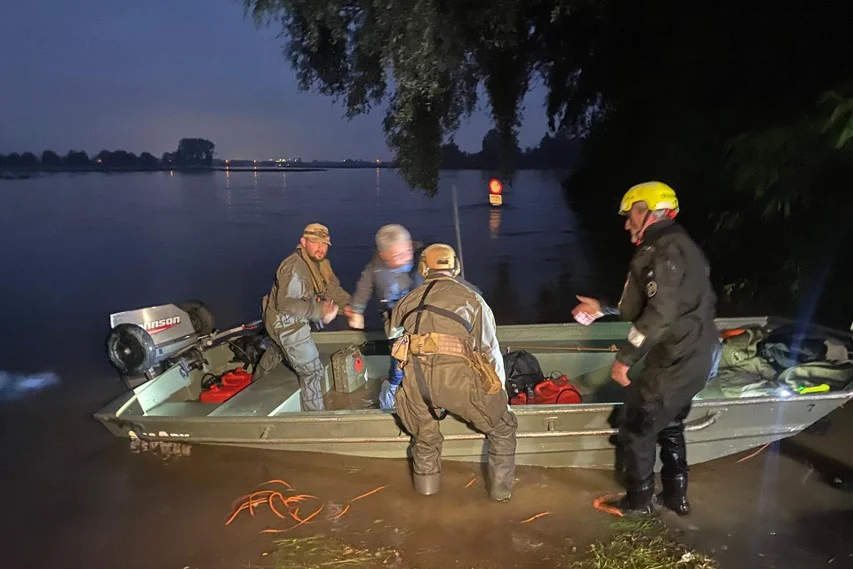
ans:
(495, 191)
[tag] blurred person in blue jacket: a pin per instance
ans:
(390, 274)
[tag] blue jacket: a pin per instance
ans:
(389, 285)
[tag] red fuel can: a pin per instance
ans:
(552, 391)
(231, 383)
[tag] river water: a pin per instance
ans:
(78, 247)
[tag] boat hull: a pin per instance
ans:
(551, 436)
(561, 436)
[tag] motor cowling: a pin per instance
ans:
(143, 338)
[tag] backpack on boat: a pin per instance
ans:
(523, 372)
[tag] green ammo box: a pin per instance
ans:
(349, 370)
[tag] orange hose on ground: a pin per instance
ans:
(344, 511)
(599, 504)
(273, 508)
(254, 499)
(531, 518)
(305, 521)
(756, 453)
(366, 494)
(282, 482)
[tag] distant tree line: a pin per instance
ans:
(553, 152)
(191, 153)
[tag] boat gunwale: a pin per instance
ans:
(371, 414)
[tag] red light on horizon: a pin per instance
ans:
(495, 186)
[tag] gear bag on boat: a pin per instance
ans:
(527, 385)
(523, 372)
(757, 360)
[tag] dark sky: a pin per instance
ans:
(138, 76)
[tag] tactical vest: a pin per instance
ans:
(412, 346)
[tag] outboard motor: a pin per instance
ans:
(143, 339)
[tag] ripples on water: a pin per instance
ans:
(86, 245)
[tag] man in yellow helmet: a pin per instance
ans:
(452, 361)
(669, 298)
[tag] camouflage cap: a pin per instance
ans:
(317, 233)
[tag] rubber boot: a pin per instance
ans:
(673, 455)
(269, 360)
(674, 494)
(427, 484)
(639, 499)
(501, 476)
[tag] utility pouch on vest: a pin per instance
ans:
(491, 383)
(400, 350)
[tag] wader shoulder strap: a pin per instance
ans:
(420, 308)
(437, 310)
(419, 372)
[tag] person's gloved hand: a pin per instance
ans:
(387, 395)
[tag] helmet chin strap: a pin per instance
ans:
(638, 240)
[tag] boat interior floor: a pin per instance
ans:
(586, 366)
(278, 391)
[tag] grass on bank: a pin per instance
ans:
(641, 543)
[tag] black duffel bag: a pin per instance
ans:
(522, 372)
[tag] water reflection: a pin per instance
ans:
(504, 297)
(229, 197)
(494, 222)
(256, 201)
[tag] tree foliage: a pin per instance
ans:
(425, 59)
(191, 153)
(194, 152)
(50, 159)
(746, 112)
(552, 152)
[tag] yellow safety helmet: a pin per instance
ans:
(657, 195)
(438, 257)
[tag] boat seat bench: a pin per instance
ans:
(262, 397)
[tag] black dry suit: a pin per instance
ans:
(669, 298)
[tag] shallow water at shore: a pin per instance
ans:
(87, 500)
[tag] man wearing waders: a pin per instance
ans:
(452, 362)
(669, 298)
(305, 290)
